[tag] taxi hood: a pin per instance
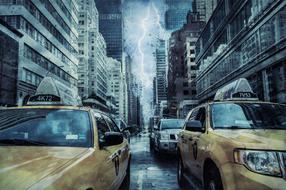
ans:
(21, 167)
(255, 138)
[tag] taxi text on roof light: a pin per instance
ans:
(52, 92)
(237, 90)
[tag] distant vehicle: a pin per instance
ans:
(152, 122)
(166, 135)
(185, 107)
(54, 144)
(122, 126)
(236, 142)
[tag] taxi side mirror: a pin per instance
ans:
(112, 138)
(194, 125)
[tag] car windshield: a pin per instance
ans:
(248, 115)
(47, 127)
(172, 124)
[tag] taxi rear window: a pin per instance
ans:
(46, 127)
(248, 115)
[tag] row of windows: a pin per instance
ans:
(269, 34)
(45, 22)
(66, 11)
(246, 15)
(59, 19)
(34, 56)
(20, 23)
(31, 77)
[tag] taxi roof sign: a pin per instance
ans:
(237, 90)
(52, 92)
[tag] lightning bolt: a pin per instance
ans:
(140, 43)
(158, 19)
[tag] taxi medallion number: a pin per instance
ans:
(45, 98)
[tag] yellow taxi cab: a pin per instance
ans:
(235, 142)
(51, 145)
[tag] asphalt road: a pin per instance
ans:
(153, 172)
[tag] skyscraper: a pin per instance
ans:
(115, 87)
(161, 72)
(175, 16)
(111, 26)
(49, 43)
(182, 67)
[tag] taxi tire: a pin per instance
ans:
(126, 181)
(213, 179)
(180, 173)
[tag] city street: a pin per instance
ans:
(151, 171)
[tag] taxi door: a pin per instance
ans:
(122, 151)
(185, 136)
(195, 144)
(109, 166)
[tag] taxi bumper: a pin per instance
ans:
(237, 177)
(168, 146)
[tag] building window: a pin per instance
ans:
(186, 92)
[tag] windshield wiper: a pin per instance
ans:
(21, 142)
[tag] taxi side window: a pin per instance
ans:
(193, 114)
(111, 124)
(201, 116)
(102, 127)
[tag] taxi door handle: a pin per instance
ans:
(119, 152)
(113, 156)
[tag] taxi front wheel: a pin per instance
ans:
(213, 179)
(180, 173)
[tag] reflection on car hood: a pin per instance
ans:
(171, 131)
(256, 139)
(21, 167)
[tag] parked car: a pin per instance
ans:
(165, 135)
(122, 126)
(52, 144)
(236, 142)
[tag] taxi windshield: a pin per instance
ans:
(45, 127)
(248, 116)
(172, 124)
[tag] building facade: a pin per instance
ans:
(115, 86)
(9, 52)
(111, 26)
(88, 18)
(93, 61)
(97, 65)
(49, 43)
(176, 13)
(161, 73)
(182, 68)
(136, 111)
(244, 38)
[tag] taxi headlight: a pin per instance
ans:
(262, 162)
(164, 136)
